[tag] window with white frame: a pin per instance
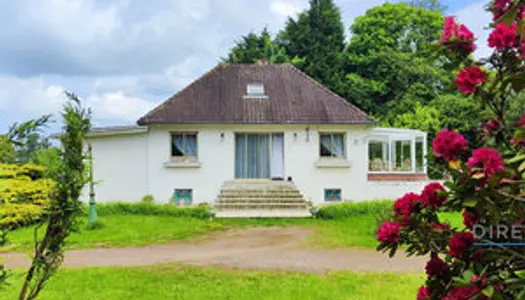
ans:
(183, 144)
(332, 144)
(255, 90)
(396, 154)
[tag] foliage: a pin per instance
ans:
(351, 209)
(487, 181)
(24, 196)
(64, 205)
(27, 138)
(151, 209)
(148, 199)
(387, 59)
(253, 48)
(189, 283)
(317, 37)
(49, 158)
(7, 151)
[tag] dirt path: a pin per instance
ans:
(253, 248)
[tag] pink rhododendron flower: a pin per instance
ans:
(469, 219)
(435, 267)
(486, 159)
(465, 293)
(430, 197)
(388, 232)
(423, 293)
(469, 79)
(503, 37)
(406, 205)
(457, 36)
(449, 144)
(460, 243)
(491, 126)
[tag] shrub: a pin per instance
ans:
(482, 260)
(148, 199)
(142, 208)
(351, 209)
(18, 215)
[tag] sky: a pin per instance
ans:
(124, 57)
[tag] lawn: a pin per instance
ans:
(350, 225)
(178, 282)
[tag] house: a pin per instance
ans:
(256, 124)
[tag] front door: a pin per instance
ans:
(259, 155)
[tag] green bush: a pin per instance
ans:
(148, 199)
(352, 209)
(152, 209)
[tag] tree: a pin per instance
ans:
(317, 37)
(7, 151)
(64, 203)
(481, 259)
(253, 48)
(27, 138)
(387, 59)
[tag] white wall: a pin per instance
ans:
(131, 166)
(119, 168)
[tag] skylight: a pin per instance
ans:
(255, 90)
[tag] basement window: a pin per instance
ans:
(183, 197)
(332, 195)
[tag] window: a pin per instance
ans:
(184, 144)
(378, 156)
(420, 164)
(255, 90)
(332, 145)
(183, 197)
(401, 157)
(332, 195)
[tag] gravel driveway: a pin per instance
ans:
(277, 248)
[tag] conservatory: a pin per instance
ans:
(397, 153)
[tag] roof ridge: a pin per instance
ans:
(143, 119)
(293, 68)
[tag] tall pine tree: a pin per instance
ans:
(256, 47)
(317, 37)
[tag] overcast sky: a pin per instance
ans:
(125, 56)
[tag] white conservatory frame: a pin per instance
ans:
(388, 137)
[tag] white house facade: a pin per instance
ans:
(256, 123)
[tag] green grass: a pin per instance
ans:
(124, 230)
(176, 282)
(125, 225)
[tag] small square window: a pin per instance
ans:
(183, 144)
(183, 197)
(255, 90)
(332, 195)
(332, 145)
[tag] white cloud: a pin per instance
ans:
(287, 8)
(118, 106)
(476, 18)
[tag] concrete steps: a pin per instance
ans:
(260, 198)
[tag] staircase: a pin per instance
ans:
(260, 198)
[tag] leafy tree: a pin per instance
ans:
(256, 47)
(27, 138)
(7, 151)
(49, 158)
(387, 59)
(425, 118)
(317, 37)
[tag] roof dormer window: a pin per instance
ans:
(255, 90)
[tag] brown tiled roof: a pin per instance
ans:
(218, 97)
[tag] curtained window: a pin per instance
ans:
(184, 144)
(332, 145)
